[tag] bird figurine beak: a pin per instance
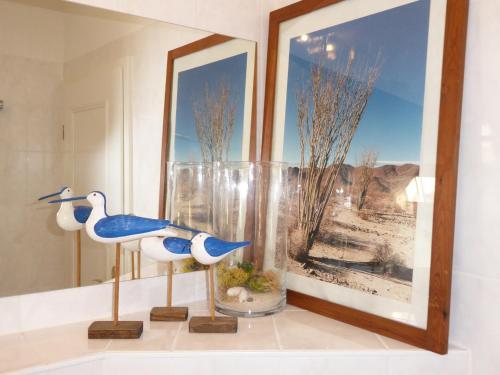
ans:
(228, 246)
(68, 199)
(51, 195)
(224, 246)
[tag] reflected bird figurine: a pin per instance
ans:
(133, 247)
(71, 218)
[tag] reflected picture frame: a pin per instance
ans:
(205, 52)
(450, 19)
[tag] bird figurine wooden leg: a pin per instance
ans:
(78, 241)
(212, 291)
(117, 229)
(132, 247)
(167, 249)
(170, 279)
(116, 292)
(139, 265)
(209, 250)
(132, 260)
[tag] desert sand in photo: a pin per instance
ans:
(372, 249)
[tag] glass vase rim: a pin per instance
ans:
(252, 162)
(231, 162)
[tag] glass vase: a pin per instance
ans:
(251, 203)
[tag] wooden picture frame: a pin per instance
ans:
(435, 336)
(186, 50)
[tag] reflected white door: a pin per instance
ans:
(94, 139)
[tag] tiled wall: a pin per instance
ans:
(30, 151)
(475, 309)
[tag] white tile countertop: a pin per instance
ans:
(293, 341)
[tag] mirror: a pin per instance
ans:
(83, 92)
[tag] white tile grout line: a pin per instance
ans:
(276, 333)
(107, 346)
(476, 276)
(174, 341)
(381, 340)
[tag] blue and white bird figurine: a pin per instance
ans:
(69, 218)
(117, 229)
(166, 249)
(204, 247)
(105, 228)
(207, 249)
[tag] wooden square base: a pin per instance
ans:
(221, 324)
(122, 330)
(168, 314)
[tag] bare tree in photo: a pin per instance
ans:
(328, 114)
(214, 118)
(366, 164)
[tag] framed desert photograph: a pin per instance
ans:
(363, 98)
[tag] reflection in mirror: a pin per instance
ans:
(81, 89)
(209, 117)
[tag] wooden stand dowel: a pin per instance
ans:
(116, 329)
(116, 296)
(138, 264)
(169, 313)
(78, 239)
(212, 292)
(213, 324)
(170, 273)
(133, 265)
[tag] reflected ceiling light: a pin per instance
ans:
(304, 38)
(420, 189)
(330, 47)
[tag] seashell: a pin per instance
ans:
(234, 291)
(238, 291)
(243, 295)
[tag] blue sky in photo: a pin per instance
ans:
(190, 89)
(392, 121)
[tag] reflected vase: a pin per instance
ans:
(188, 203)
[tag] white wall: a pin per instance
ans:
(31, 53)
(84, 33)
(238, 18)
(475, 312)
